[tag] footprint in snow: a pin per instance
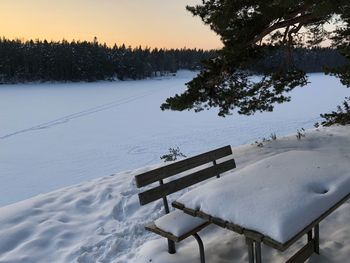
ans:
(118, 211)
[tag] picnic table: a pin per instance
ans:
(275, 201)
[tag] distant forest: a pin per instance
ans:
(308, 60)
(90, 61)
(24, 61)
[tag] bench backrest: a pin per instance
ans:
(187, 180)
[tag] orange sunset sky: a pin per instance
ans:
(153, 23)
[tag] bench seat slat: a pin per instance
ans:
(181, 166)
(186, 181)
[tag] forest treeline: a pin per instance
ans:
(309, 60)
(23, 61)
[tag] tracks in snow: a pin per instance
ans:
(83, 113)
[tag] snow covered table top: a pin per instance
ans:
(278, 196)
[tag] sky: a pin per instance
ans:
(152, 23)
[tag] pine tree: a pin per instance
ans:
(250, 31)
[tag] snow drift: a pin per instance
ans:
(101, 220)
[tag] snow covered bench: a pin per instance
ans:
(176, 225)
(275, 201)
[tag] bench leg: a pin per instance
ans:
(201, 247)
(171, 247)
(317, 239)
(314, 236)
(309, 236)
(311, 247)
(250, 245)
(258, 252)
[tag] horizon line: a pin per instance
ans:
(111, 45)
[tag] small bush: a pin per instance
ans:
(300, 134)
(173, 155)
(273, 136)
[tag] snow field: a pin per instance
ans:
(102, 221)
(55, 135)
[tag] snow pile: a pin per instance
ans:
(101, 220)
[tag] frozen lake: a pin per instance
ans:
(55, 135)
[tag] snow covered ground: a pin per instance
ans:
(101, 220)
(56, 135)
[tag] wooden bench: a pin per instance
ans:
(176, 225)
